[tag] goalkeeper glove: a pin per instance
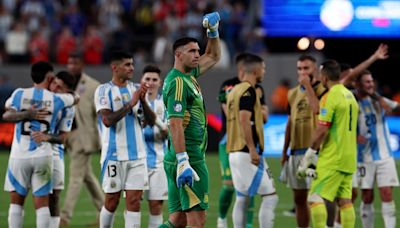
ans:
(308, 162)
(185, 174)
(211, 22)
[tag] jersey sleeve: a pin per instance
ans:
(327, 109)
(101, 98)
(176, 98)
(66, 98)
(247, 100)
(391, 103)
(262, 97)
(66, 121)
(14, 101)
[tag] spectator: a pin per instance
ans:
(33, 12)
(66, 43)
(38, 47)
(279, 97)
(92, 46)
(6, 89)
(17, 43)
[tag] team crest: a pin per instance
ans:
(178, 107)
(125, 97)
(113, 184)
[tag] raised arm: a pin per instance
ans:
(304, 80)
(379, 54)
(213, 49)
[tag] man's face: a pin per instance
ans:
(75, 66)
(260, 72)
(189, 55)
(153, 81)
(306, 67)
(367, 84)
(58, 86)
(324, 78)
(123, 69)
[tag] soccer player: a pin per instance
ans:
(227, 190)
(184, 161)
(376, 163)
(245, 144)
(155, 139)
(30, 163)
(123, 154)
(62, 83)
(303, 103)
(335, 137)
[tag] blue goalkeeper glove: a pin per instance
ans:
(185, 174)
(211, 22)
(308, 164)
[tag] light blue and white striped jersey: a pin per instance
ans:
(155, 144)
(372, 125)
(124, 140)
(64, 124)
(23, 99)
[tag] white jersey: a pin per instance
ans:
(372, 125)
(64, 123)
(23, 145)
(156, 145)
(124, 140)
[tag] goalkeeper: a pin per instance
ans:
(336, 137)
(184, 161)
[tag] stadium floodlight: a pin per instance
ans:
(319, 44)
(303, 43)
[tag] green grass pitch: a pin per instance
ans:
(84, 211)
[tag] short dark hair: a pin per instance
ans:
(344, 67)
(39, 71)
(240, 57)
(151, 68)
(76, 55)
(331, 69)
(182, 42)
(67, 78)
(120, 55)
(364, 72)
(305, 57)
(249, 60)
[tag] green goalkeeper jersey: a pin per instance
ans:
(183, 99)
(339, 111)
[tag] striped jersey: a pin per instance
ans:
(23, 145)
(155, 143)
(124, 140)
(64, 124)
(372, 125)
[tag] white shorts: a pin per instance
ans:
(158, 185)
(58, 176)
(34, 173)
(383, 170)
(292, 181)
(249, 179)
(125, 175)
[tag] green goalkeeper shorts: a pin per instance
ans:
(187, 198)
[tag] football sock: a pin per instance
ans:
(132, 219)
(367, 215)
(266, 214)
(225, 199)
(167, 224)
(239, 210)
(347, 215)
(155, 221)
(15, 216)
(389, 214)
(54, 221)
(43, 217)
(319, 214)
(106, 218)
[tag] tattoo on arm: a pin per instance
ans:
(110, 118)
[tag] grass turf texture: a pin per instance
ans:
(85, 214)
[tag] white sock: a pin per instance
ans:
(132, 219)
(43, 217)
(337, 225)
(106, 218)
(367, 215)
(155, 221)
(239, 212)
(54, 221)
(266, 214)
(389, 214)
(15, 216)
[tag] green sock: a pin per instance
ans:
(347, 215)
(319, 215)
(250, 212)
(167, 224)
(225, 199)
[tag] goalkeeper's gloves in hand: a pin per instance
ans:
(307, 164)
(211, 22)
(185, 174)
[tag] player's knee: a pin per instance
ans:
(367, 197)
(386, 194)
(300, 198)
(155, 207)
(315, 199)
(111, 203)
